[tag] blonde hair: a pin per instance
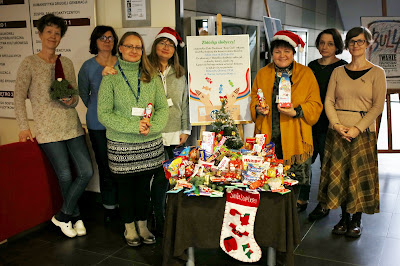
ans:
(146, 67)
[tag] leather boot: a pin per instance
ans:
(355, 227)
(145, 234)
(341, 227)
(131, 236)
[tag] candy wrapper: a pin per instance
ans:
(194, 155)
(148, 112)
(261, 98)
(203, 155)
(260, 142)
(166, 164)
(285, 91)
(207, 142)
(250, 143)
(185, 152)
(251, 159)
(177, 151)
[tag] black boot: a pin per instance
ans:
(318, 213)
(341, 227)
(355, 226)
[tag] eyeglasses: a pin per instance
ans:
(132, 48)
(105, 38)
(359, 42)
(165, 44)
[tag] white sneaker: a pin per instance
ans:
(80, 228)
(66, 228)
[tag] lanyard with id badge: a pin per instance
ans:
(136, 111)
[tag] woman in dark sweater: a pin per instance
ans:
(329, 44)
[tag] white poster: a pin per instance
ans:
(218, 66)
(15, 45)
(135, 9)
(385, 51)
(24, 41)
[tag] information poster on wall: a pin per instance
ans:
(19, 39)
(385, 51)
(218, 66)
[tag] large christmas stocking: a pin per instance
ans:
(237, 234)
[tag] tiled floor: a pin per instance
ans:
(104, 245)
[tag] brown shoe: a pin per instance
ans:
(354, 229)
(341, 227)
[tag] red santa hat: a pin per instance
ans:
(171, 34)
(290, 37)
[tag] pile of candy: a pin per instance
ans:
(199, 172)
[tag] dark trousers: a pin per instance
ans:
(108, 186)
(134, 195)
(319, 147)
(159, 188)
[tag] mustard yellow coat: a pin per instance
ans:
(296, 133)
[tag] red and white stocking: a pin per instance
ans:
(237, 234)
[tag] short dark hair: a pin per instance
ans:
(97, 33)
(337, 39)
(281, 43)
(354, 32)
(52, 20)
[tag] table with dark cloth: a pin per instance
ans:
(197, 222)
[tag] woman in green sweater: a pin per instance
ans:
(135, 146)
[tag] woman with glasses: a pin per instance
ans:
(134, 142)
(289, 127)
(355, 98)
(329, 44)
(103, 44)
(58, 129)
(164, 58)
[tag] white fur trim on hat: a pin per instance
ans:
(290, 37)
(169, 36)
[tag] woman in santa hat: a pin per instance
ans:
(164, 58)
(290, 128)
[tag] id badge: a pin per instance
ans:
(170, 103)
(137, 111)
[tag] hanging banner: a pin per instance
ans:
(218, 66)
(385, 51)
(19, 39)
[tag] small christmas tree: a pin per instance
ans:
(225, 126)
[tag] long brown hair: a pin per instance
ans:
(173, 61)
(146, 67)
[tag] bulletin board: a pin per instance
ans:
(19, 39)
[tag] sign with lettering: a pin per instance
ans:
(385, 51)
(19, 38)
(218, 66)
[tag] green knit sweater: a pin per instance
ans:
(116, 101)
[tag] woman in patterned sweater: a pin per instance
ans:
(57, 127)
(135, 146)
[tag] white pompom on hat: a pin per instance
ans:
(171, 34)
(292, 38)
